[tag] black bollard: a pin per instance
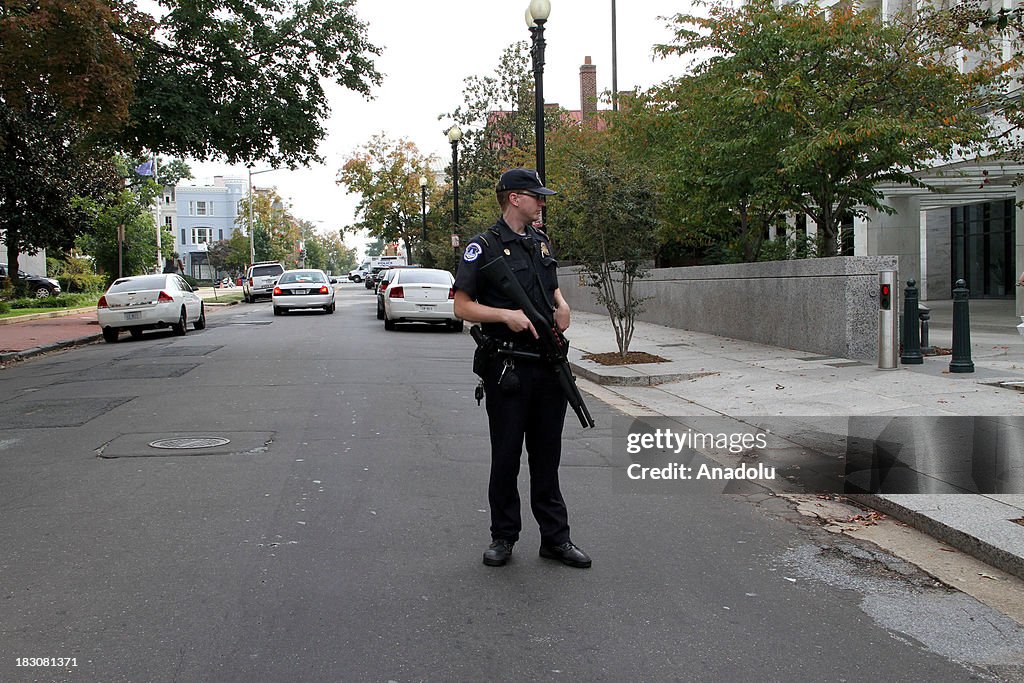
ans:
(926, 315)
(961, 330)
(911, 331)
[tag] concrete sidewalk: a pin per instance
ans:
(717, 377)
(26, 336)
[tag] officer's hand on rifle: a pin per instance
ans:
(518, 322)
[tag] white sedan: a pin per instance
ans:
(147, 302)
(420, 295)
(305, 288)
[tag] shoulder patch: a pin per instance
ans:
(472, 252)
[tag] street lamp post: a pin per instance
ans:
(454, 135)
(536, 16)
(423, 206)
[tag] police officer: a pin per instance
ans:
(524, 400)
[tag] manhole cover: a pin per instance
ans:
(194, 442)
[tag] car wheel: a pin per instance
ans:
(181, 327)
(278, 310)
(380, 312)
(389, 324)
(42, 292)
(248, 299)
(110, 335)
(135, 332)
(329, 309)
(200, 324)
(456, 325)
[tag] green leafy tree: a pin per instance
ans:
(846, 101)
(46, 162)
(132, 211)
(244, 79)
(230, 255)
(276, 232)
(611, 223)
(386, 173)
(70, 54)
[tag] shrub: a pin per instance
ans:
(62, 301)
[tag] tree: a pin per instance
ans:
(244, 79)
(46, 162)
(70, 54)
(853, 102)
(610, 216)
(716, 164)
(229, 255)
(276, 232)
(387, 174)
(132, 211)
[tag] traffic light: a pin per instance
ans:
(885, 297)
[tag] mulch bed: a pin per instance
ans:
(631, 358)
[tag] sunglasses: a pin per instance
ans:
(530, 194)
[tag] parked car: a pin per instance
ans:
(385, 277)
(38, 286)
(420, 295)
(373, 277)
(358, 275)
(306, 288)
(146, 302)
(260, 280)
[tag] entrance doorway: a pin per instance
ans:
(982, 248)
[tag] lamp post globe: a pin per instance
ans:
(540, 10)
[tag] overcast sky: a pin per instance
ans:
(430, 49)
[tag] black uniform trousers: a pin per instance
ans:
(534, 414)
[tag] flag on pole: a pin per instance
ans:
(145, 169)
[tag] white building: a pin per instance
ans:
(203, 215)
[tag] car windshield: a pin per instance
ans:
(425, 277)
(258, 271)
(138, 284)
(303, 276)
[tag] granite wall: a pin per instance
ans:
(827, 306)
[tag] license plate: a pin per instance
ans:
(425, 307)
(132, 315)
(298, 291)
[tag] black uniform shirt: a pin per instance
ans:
(529, 257)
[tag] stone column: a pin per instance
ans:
(898, 235)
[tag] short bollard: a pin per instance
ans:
(961, 361)
(925, 314)
(911, 331)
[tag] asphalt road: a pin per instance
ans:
(338, 536)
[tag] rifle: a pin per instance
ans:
(553, 344)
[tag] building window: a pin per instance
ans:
(200, 208)
(183, 236)
(220, 234)
(202, 235)
(168, 222)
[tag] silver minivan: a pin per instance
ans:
(260, 280)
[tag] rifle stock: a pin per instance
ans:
(553, 343)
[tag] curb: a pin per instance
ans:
(11, 356)
(634, 380)
(962, 541)
(42, 316)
